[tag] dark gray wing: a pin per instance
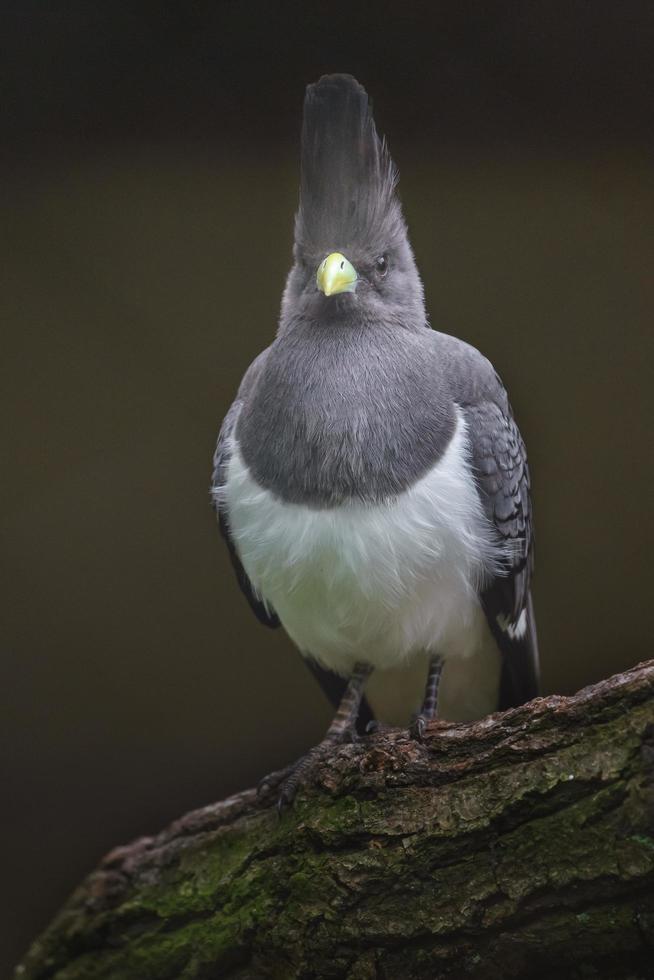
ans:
(500, 465)
(263, 613)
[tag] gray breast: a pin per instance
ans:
(348, 412)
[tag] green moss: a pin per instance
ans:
(218, 942)
(340, 884)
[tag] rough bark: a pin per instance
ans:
(518, 846)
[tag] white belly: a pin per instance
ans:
(376, 583)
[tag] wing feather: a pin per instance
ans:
(500, 466)
(261, 610)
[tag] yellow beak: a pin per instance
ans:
(336, 275)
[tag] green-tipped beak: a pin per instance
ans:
(336, 275)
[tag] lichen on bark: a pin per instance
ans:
(521, 845)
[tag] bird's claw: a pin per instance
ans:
(272, 781)
(418, 727)
(300, 773)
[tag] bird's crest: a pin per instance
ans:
(348, 180)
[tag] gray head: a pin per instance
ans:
(352, 258)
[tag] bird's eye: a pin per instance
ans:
(381, 266)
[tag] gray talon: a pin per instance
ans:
(273, 779)
(418, 727)
(301, 772)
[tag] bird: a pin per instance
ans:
(370, 481)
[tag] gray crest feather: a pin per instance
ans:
(348, 180)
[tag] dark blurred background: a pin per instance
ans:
(147, 184)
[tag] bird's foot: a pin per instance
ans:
(301, 771)
(418, 727)
(270, 782)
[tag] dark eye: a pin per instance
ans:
(381, 266)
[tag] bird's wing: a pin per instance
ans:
(500, 465)
(261, 610)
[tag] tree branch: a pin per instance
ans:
(521, 845)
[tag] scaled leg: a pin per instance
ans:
(342, 729)
(430, 702)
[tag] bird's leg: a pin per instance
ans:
(342, 729)
(430, 702)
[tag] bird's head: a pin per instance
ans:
(352, 257)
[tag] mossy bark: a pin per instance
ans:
(518, 846)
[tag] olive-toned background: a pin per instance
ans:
(147, 186)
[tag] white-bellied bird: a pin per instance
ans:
(370, 480)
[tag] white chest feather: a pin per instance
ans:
(373, 582)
